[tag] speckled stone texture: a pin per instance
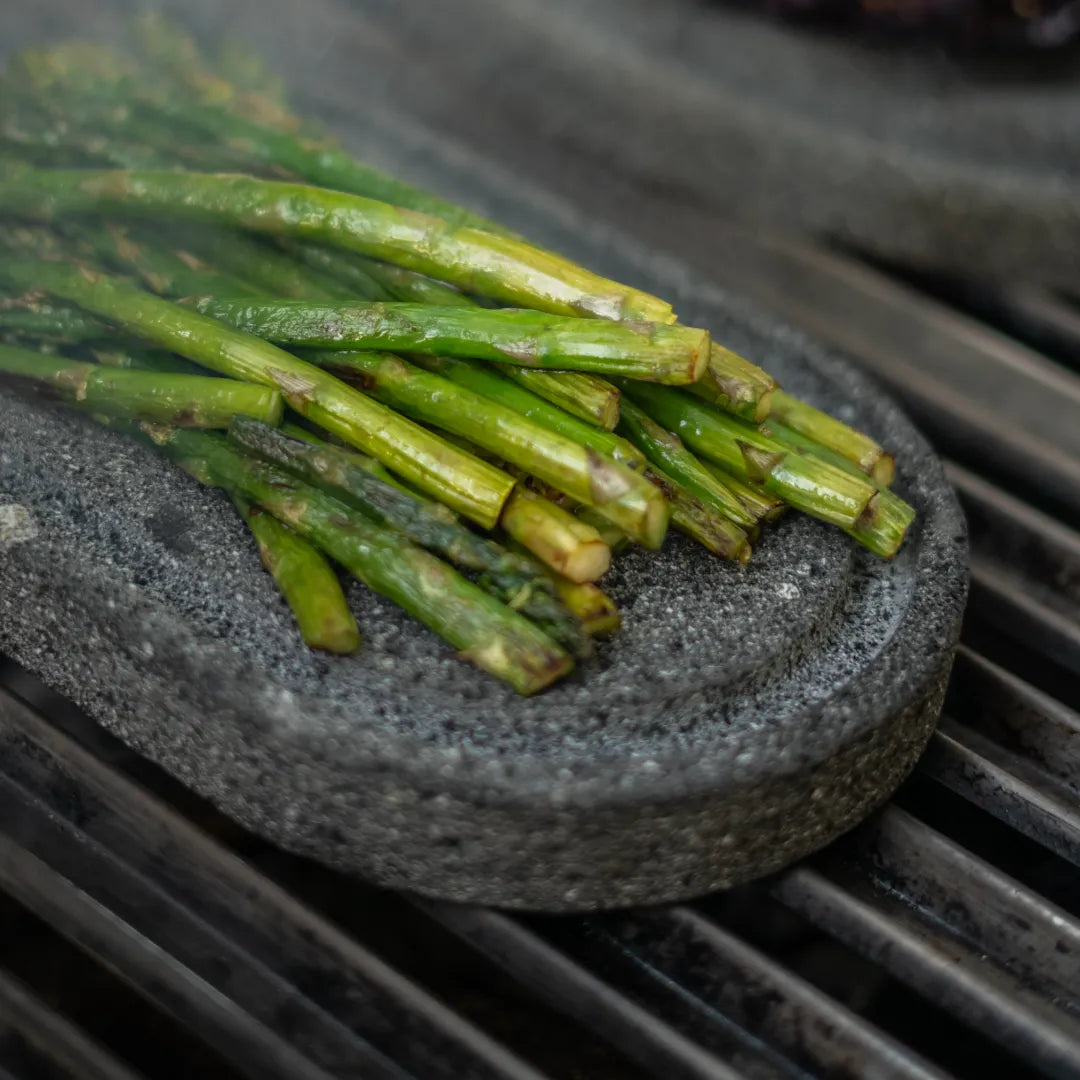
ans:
(741, 719)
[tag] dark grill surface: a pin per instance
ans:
(143, 935)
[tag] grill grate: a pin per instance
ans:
(958, 903)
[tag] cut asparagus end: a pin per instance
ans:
(568, 546)
(735, 385)
(596, 611)
(885, 534)
(884, 471)
(832, 434)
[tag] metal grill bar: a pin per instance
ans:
(210, 939)
(1013, 751)
(732, 998)
(913, 901)
(561, 982)
(57, 1048)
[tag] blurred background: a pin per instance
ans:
(899, 182)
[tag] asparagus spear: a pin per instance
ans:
(466, 484)
(597, 614)
(753, 498)
(807, 483)
(885, 531)
(621, 494)
(483, 630)
(515, 580)
(585, 396)
(265, 269)
(32, 318)
(306, 580)
(885, 523)
(612, 535)
(651, 352)
(168, 273)
(145, 360)
(255, 124)
(498, 267)
(710, 528)
(828, 437)
(183, 400)
(736, 385)
(561, 541)
(490, 384)
(667, 453)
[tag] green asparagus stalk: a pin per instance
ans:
(483, 630)
(656, 353)
(572, 548)
(622, 495)
(464, 483)
(588, 397)
(176, 63)
(166, 272)
(181, 400)
(710, 528)
(145, 360)
(807, 483)
(260, 265)
(736, 385)
(828, 437)
(479, 262)
(481, 379)
(885, 523)
(516, 580)
(407, 286)
(667, 453)
(31, 318)
(884, 531)
(754, 499)
(345, 268)
(597, 614)
(306, 580)
(584, 396)
(612, 535)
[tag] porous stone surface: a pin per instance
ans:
(742, 718)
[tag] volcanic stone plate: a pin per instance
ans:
(741, 719)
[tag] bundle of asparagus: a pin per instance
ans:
(475, 424)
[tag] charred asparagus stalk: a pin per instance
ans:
(306, 580)
(807, 483)
(585, 396)
(515, 579)
(183, 400)
(884, 527)
(710, 528)
(667, 454)
(461, 481)
(735, 385)
(753, 498)
(622, 495)
(792, 420)
(569, 546)
(479, 262)
(481, 628)
(651, 352)
(490, 384)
